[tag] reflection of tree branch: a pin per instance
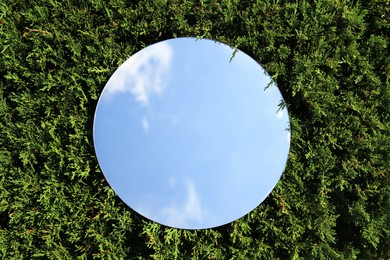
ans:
(282, 105)
(272, 82)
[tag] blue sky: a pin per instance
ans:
(186, 138)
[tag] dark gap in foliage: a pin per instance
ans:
(4, 219)
(91, 115)
(347, 232)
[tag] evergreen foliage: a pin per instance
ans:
(331, 60)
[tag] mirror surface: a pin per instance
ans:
(188, 138)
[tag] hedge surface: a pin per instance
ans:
(331, 61)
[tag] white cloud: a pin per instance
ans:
(288, 136)
(145, 124)
(143, 74)
(183, 215)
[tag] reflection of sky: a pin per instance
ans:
(188, 139)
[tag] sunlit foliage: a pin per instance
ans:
(331, 60)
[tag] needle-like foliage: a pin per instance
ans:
(331, 61)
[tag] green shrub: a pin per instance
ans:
(331, 61)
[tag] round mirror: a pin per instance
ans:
(188, 135)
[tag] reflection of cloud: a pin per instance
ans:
(145, 124)
(191, 210)
(288, 136)
(142, 74)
